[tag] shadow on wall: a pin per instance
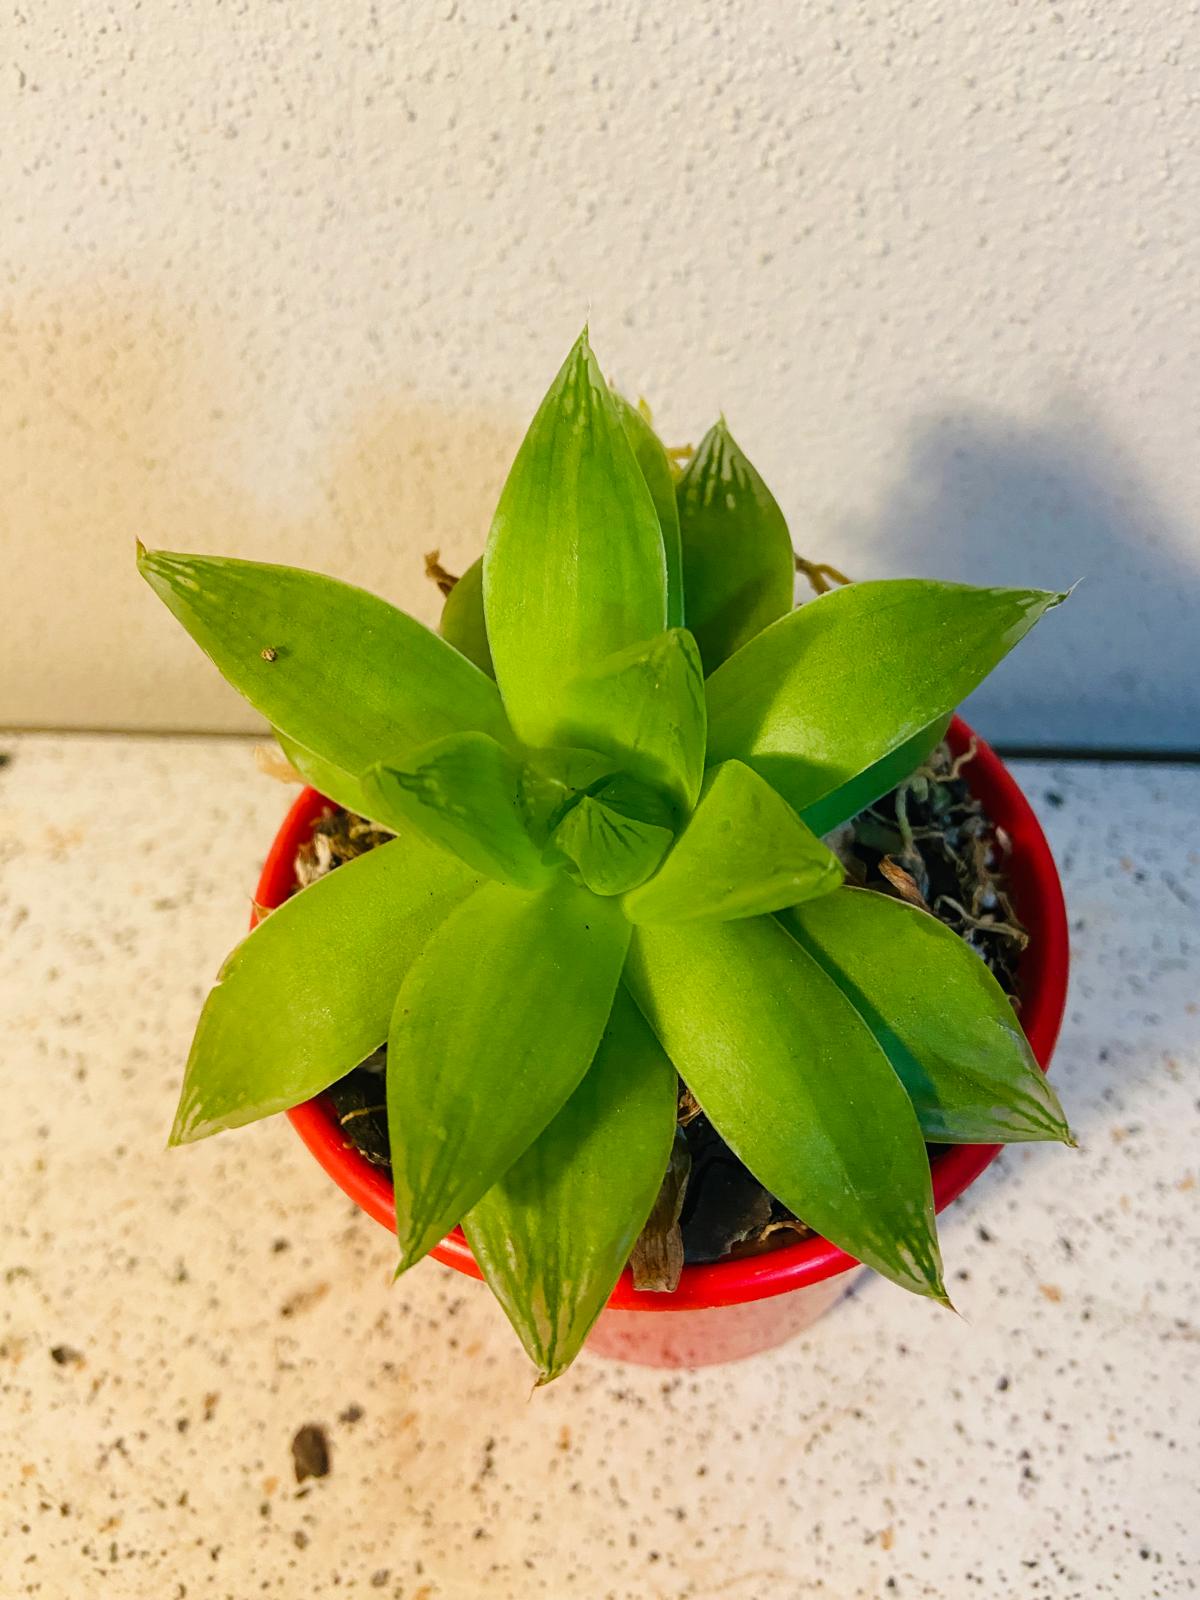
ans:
(119, 420)
(984, 499)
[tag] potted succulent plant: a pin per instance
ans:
(602, 806)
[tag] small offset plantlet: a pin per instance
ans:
(609, 782)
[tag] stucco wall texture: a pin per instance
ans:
(285, 280)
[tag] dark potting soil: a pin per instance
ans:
(928, 842)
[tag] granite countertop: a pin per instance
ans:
(169, 1321)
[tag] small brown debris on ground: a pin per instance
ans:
(303, 1300)
(887, 1538)
(1051, 1291)
(310, 1452)
(63, 1355)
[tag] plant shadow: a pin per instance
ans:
(984, 498)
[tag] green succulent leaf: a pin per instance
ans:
(494, 1026)
(309, 994)
(656, 469)
(554, 1233)
(744, 851)
(880, 778)
(465, 793)
(739, 570)
(575, 566)
(943, 1021)
(343, 788)
(610, 850)
(835, 687)
(795, 1083)
(334, 669)
(463, 624)
(645, 707)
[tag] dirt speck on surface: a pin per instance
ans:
(310, 1452)
(65, 1355)
(303, 1300)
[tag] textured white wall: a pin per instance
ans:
(283, 280)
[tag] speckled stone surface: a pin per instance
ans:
(169, 1321)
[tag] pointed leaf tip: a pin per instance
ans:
(964, 1062)
(575, 566)
(845, 681)
(553, 1235)
(791, 1078)
(738, 564)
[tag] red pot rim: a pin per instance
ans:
(1037, 895)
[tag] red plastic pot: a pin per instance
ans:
(735, 1308)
